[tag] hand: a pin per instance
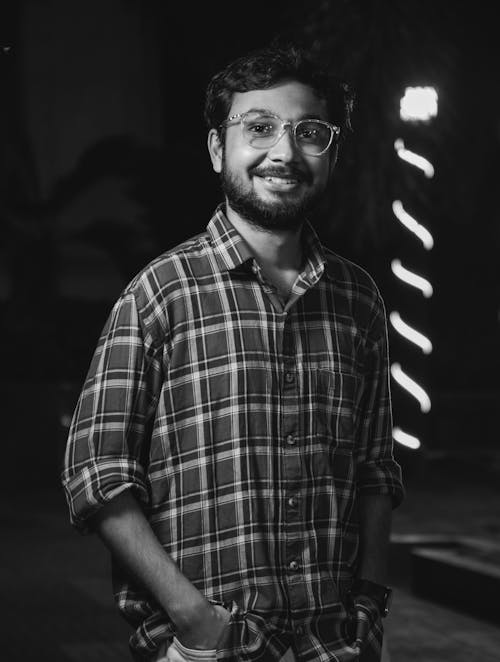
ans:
(205, 628)
(364, 612)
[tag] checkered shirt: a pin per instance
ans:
(248, 427)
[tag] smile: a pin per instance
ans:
(279, 183)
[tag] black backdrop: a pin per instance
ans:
(104, 166)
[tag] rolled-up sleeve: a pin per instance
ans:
(377, 470)
(108, 446)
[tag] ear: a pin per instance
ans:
(215, 149)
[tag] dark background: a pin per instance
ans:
(103, 166)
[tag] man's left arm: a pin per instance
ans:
(375, 515)
(378, 483)
(377, 472)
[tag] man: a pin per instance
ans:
(232, 444)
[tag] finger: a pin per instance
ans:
(362, 628)
(223, 614)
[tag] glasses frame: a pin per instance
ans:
(334, 130)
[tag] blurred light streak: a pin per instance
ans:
(412, 279)
(414, 226)
(414, 159)
(410, 333)
(418, 104)
(412, 387)
(405, 439)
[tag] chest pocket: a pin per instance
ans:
(336, 394)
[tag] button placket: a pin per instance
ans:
(292, 463)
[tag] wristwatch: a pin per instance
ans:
(380, 594)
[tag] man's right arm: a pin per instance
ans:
(104, 472)
(124, 529)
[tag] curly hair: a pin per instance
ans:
(268, 66)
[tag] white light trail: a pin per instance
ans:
(405, 439)
(412, 387)
(414, 159)
(410, 333)
(412, 279)
(414, 226)
(418, 104)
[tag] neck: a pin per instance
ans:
(280, 249)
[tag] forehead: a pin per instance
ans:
(290, 100)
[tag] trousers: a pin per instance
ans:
(179, 653)
(176, 652)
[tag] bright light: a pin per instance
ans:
(405, 439)
(414, 226)
(419, 104)
(410, 333)
(412, 279)
(412, 387)
(415, 159)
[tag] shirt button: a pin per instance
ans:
(299, 630)
(289, 377)
(293, 502)
(290, 440)
(294, 566)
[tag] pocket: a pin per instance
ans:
(246, 636)
(372, 650)
(228, 640)
(336, 396)
(177, 652)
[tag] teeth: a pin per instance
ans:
(281, 180)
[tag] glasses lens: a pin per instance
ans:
(261, 130)
(313, 137)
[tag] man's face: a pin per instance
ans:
(276, 187)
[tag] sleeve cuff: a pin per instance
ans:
(97, 483)
(381, 477)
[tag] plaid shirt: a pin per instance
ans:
(247, 427)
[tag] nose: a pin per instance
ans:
(285, 149)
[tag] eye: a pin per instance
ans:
(307, 133)
(312, 132)
(260, 128)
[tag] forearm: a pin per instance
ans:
(126, 532)
(375, 515)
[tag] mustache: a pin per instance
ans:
(286, 173)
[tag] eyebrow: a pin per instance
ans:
(305, 116)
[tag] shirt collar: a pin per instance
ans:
(232, 251)
(314, 253)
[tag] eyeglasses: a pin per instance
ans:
(263, 130)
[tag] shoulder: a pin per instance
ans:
(352, 279)
(361, 296)
(165, 274)
(158, 286)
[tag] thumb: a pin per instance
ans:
(222, 613)
(362, 627)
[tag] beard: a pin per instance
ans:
(287, 212)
